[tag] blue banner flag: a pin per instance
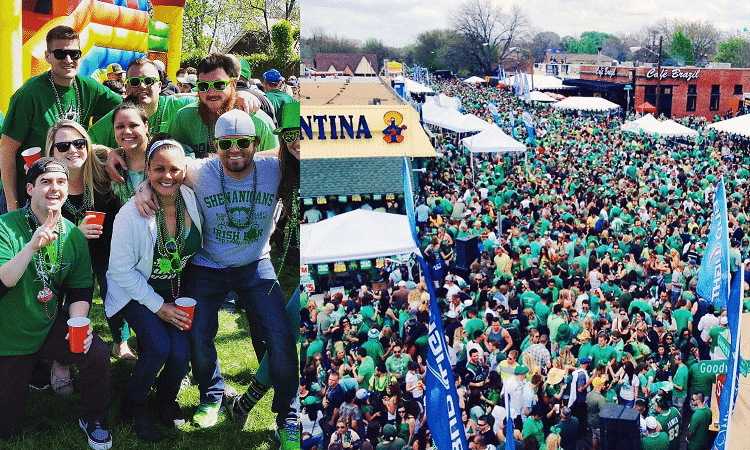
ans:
(528, 120)
(731, 382)
(493, 110)
(510, 441)
(512, 123)
(526, 88)
(441, 398)
(516, 84)
(713, 274)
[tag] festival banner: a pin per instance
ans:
(526, 88)
(713, 274)
(441, 398)
(528, 120)
(495, 116)
(512, 123)
(731, 382)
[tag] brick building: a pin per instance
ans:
(685, 91)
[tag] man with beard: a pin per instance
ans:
(59, 93)
(142, 80)
(193, 125)
(237, 194)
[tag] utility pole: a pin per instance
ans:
(658, 78)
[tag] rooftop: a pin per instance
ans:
(346, 91)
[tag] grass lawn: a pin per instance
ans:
(51, 421)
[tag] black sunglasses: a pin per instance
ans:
(61, 54)
(136, 81)
(63, 147)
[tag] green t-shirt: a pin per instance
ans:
(703, 374)
(366, 370)
(670, 424)
(699, 424)
(187, 128)
(682, 316)
(103, 132)
(657, 441)
(602, 355)
(398, 365)
(24, 319)
(533, 427)
(278, 99)
(681, 379)
(34, 108)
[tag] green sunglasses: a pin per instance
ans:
(289, 136)
(242, 143)
(136, 81)
(218, 85)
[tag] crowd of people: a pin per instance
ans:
(583, 293)
(192, 180)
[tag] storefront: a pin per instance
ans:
(685, 91)
(355, 153)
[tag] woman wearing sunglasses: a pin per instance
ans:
(146, 262)
(88, 190)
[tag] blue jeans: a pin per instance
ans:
(162, 345)
(256, 286)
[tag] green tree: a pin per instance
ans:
(381, 50)
(590, 42)
(681, 48)
(735, 51)
(282, 55)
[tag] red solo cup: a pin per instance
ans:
(98, 219)
(78, 328)
(30, 155)
(186, 304)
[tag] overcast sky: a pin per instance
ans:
(363, 19)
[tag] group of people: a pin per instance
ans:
(583, 292)
(192, 187)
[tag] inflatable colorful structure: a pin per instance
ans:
(112, 31)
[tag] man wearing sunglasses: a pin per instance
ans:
(237, 196)
(142, 80)
(43, 254)
(59, 93)
(193, 125)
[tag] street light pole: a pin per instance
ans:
(658, 78)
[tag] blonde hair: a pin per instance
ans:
(553, 441)
(94, 176)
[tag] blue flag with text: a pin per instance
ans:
(731, 382)
(713, 274)
(441, 398)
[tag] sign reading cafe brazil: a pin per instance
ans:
(675, 74)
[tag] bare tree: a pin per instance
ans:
(543, 41)
(489, 30)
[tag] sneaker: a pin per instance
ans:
(233, 407)
(207, 414)
(288, 435)
(145, 429)
(99, 437)
(171, 416)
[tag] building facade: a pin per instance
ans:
(685, 91)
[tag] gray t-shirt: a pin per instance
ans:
(223, 245)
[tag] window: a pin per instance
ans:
(715, 98)
(649, 94)
(692, 97)
(737, 89)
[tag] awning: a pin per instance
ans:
(594, 85)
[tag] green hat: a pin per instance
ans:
(289, 120)
(245, 72)
(389, 432)
(310, 400)
(521, 370)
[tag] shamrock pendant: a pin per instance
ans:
(165, 265)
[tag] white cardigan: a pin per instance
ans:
(132, 256)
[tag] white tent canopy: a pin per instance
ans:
(586, 104)
(667, 128)
(451, 119)
(738, 125)
(444, 101)
(492, 140)
(474, 80)
(417, 88)
(540, 82)
(537, 96)
(356, 235)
